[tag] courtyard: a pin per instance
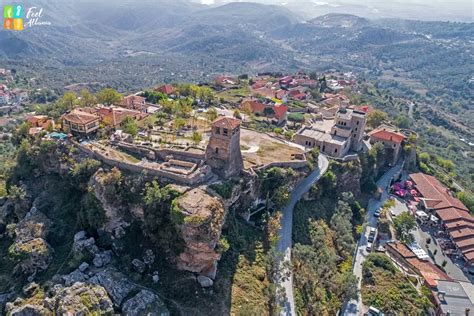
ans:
(260, 149)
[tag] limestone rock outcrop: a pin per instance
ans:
(104, 189)
(145, 302)
(30, 248)
(115, 283)
(199, 218)
(77, 299)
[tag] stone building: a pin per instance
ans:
(80, 121)
(391, 139)
(335, 137)
(223, 151)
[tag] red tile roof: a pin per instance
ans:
(80, 117)
(226, 122)
(402, 249)
(429, 271)
(437, 195)
(462, 233)
(388, 136)
(280, 111)
(166, 89)
(116, 115)
(257, 107)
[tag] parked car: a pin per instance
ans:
(369, 247)
(374, 312)
(377, 213)
(372, 232)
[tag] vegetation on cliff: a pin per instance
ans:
(384, 286)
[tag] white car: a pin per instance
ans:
(369, 247)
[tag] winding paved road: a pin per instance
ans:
(284, 242)
(355, 307)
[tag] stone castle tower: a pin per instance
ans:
(223, 151)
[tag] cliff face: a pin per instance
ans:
(104, 188)
(348, 176)
(199, 218)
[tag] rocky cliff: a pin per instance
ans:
(199, 218)
(30, 248)
(348, 176)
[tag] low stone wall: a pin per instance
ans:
(163, 153)
(346, 158)
(137, 149)
(296, 164)
(198, 176)
(180, 154)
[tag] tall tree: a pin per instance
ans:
(404, 224)
(341, 223)
(87, 99)
(376, 117)
(108, 96)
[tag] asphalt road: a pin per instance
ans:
(355, 307)
(284, 242)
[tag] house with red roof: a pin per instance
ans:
(134, 102)
(453, 214)
(39, 123)
(391, 139)
(410, 263)
(166, 89)
(114, 116)
(258, 108)
(80, 121)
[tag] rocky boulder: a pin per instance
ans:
(83, 299)
(78, 299)
(199, 218)
(30, 248)
(115, 283)
(83, 244)
(204, 281)
(145, 302)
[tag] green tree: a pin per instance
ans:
(376, 117)
(197, 138)
(87, 99)
(237, 114)
(69, 100)
(269, 112)
(296, 118)
(130, 126)
(109, 96)
(341, 224)
(402, 121)
(467, 198)
(211, 115)
(404, 224)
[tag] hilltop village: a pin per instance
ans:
(155, 175)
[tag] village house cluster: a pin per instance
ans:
(10, 99)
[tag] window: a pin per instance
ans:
(357, 122)
(356, 129)
(335, 151)
(218, 130)
(225, 132)
(217, 150)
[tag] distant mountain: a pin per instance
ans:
(339, 20)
